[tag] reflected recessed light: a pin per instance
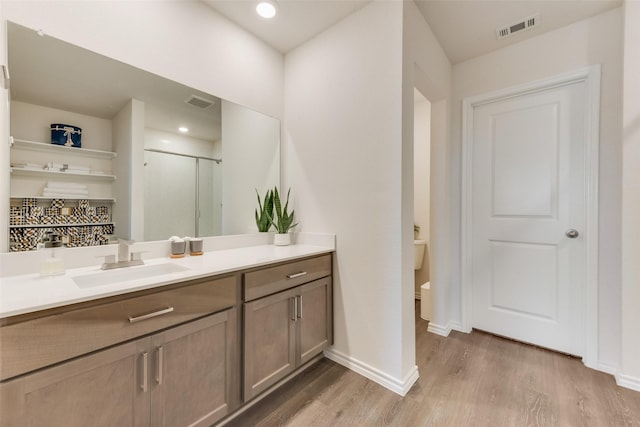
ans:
(183, 129)
(266, 9)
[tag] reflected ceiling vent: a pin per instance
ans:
(199, 102)
(516, 27)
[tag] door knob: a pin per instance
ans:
(571, 233)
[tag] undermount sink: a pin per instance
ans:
(126, 274)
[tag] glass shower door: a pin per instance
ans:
(169, 196)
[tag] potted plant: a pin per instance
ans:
(283, 221)
(263, 217)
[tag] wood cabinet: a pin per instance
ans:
(39, 342)
(182, 376)
(175, 356)
(101, 389)
(195, 377)
(286, 329)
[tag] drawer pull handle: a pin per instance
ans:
(159, 365)
(145, 362)
(150, 315)
(293, 276)
(299, 310)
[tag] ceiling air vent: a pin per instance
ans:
(199, 102)
(516, 27)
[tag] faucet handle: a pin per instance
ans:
(109, 261)
(137, 256)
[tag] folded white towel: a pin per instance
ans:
(62, 195)
(60, 184)
(57, 190)
(47, 192)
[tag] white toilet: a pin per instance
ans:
(425, 289)
(419, 247)
(425, 301)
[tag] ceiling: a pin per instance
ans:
(296, 22)
(464, 28)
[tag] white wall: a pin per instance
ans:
(594, 41)
(179, 144)
(421, 181)
(33, 123)
(4, 147)
(342, 157)
(250, 161)
(185, 41)
(427, 68)
(348, 154)
(122, 123)
(629, 372)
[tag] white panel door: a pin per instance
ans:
(528, 192)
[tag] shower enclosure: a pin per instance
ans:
(182, 195)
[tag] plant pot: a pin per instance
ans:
(282, 239)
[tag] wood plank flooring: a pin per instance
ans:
(474, 380)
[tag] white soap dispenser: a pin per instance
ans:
(51, 264)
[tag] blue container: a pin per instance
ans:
(67, 135)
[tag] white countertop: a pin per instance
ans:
(30, 292)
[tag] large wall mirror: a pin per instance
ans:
(163, 180)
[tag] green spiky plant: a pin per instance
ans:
(265, 213)
(283, 222)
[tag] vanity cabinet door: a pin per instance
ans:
(103, 389)
(314, 319)
(195, 372)
(269, 341)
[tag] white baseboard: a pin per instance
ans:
(439, 330)
(627, 381)
(400, 387)
(606, 367)
(457, 326)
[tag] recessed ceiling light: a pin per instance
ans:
(183, 129)
(266, 9)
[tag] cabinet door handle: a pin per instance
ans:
(294, 308)
(150, 315)
(294, 275)
(145, 364)
(299, 310)
(159, 364)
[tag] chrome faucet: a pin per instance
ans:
(126, 258)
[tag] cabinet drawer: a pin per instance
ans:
(270, 280)
(40, 342)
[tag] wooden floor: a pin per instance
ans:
(472, 379)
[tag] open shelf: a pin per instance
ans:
(54, 174)
(88, 224)
(52, 148)
(94, 199)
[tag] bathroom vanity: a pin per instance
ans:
(190, 349)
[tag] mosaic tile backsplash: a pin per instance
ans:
(77, 222)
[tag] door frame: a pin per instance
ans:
(589, 295)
